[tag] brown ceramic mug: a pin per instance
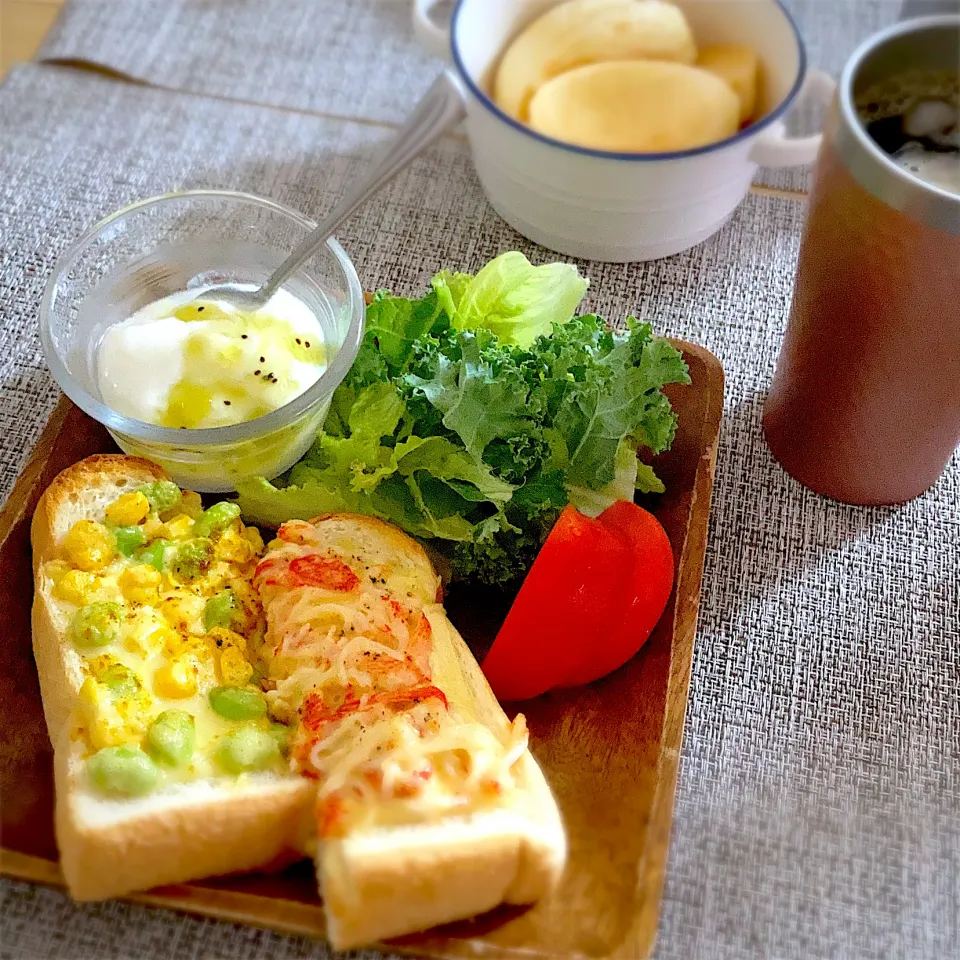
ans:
(865, 403)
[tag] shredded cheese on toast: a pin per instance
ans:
(348, 647)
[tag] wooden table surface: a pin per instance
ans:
(23, 25)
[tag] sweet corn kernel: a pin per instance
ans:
(109, 732)
(179, 528)
(152, 528)
(88, 545)
(201, 650)
(246, 594)
(215, 578)
(98, 717)
(128, 510)
(234, 548)
(55, 570)
(224, 637)
(176, 680)
(76, 587)
(89, 698)
(139, 584)
(235, 670)
(184, 612)
(174, 644)
(253, 536)
(191, 504)
(150, 638)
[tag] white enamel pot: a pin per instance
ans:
(616, 206)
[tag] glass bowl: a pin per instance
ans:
(184, 240)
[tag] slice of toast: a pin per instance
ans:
(382, 881)
(184, 830)
(389, 881)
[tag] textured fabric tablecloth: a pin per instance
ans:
(818, 809)
(355, 59)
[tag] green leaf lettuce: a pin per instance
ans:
(474, 415)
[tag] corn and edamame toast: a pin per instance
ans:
(147, 635)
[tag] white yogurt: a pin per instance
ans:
(180, 362)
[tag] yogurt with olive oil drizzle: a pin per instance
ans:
(188, 363)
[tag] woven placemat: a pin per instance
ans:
(818, 811)
(350, 58)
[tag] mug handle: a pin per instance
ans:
(435, 38)
(776, 149)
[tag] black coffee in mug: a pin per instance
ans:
(915, 117)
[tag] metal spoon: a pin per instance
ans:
(438, 112)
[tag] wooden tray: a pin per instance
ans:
(610, 750)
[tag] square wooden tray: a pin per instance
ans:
(610, 750)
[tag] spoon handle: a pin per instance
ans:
(438, 112)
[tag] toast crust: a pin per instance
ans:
(78, 485)
(109, 848)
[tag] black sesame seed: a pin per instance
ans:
(263, 359)
(199, 309)
(298, 340)
(256, 373)
(226, 403)
(307, 344)
(243, 336)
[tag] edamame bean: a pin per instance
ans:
(281, 734)
(221, 610)
(247, 748)
(163, 495)
(96, 625)
(193, 559)
(172, 737)
(128, 539)
(237, 703)
(216, 519)
(120, 680)
(154, 554)
(123, 771)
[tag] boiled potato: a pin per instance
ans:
(737, 65)
(636, 106)
(580, 32)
